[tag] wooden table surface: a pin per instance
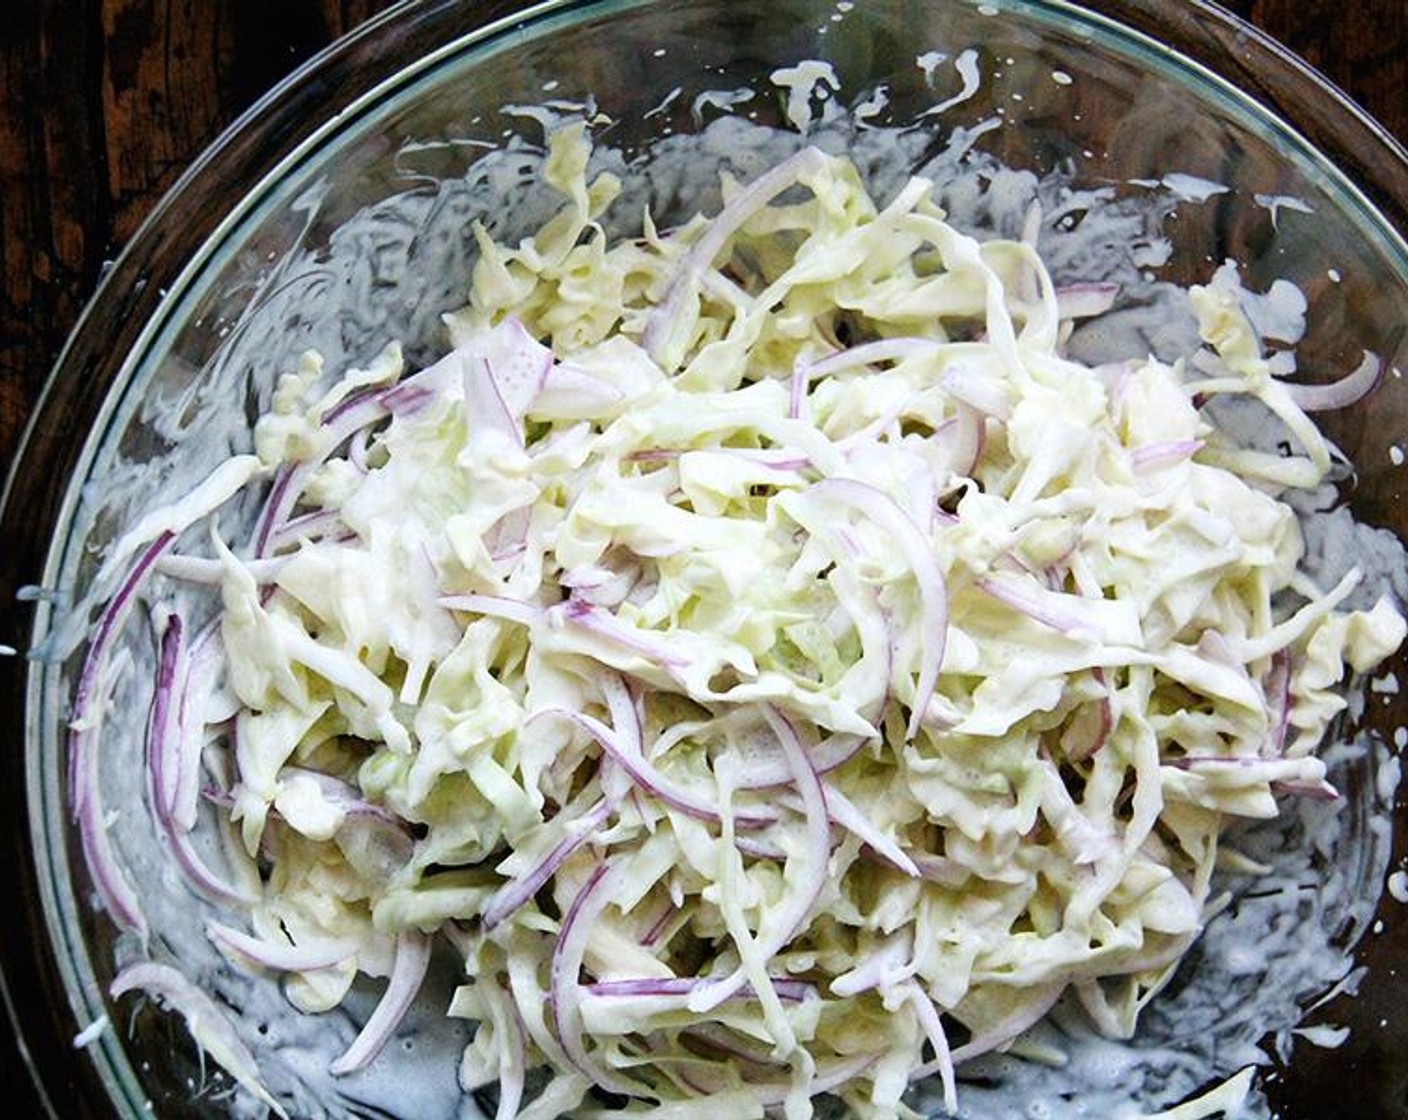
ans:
(103, 102)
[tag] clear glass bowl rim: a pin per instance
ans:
(1232, 60)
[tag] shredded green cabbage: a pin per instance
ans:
(772, 663)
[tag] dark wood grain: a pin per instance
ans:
(1360, 45)
(104, 102)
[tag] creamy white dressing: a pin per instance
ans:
(1275, 203)
(1188, 188)
(1211, 1026)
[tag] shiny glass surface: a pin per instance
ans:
(404, 103)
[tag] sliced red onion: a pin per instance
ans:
(163, 773)
(87, 713)
(517, 892)
(610, 628)
(1215, 647)
(517, 365)
(942, 870)
(658, 927)
(843, 812)
(1338, 394)
(459, 938)
(624, 708)
(1314, 790)
(276, 515)
(196, 679)
(1277, 690)
(797, 390)
(405, 399)
(850, 542)
(1118, 378)
(700, 255)
(793, 991)
(1045, 608)
(1085, 301)
(652, 455)
(507, 538)
(628, 755)
(365, 407)
(109, 880)
(496, 606)
(848, 815)
(161, 768)
(368, 401)
(755, 847)
(587, 578)
(1152, 456)
(836, 750)
(284, 491)
(208, 1023)
(317, 524)
(773, 458)
(795, 463)
(287, 957)
(968, 436)
(197, 872)
(1105, 722)
(407, 975)
(869, 354)
(85, 796)
(602, 587)
(359, 455)
(220, 798)
(490, 408)
(791, 914)
(726, 1041)
(765, 772)
(871, 502)
(565, 990)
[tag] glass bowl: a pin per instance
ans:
(334, 215)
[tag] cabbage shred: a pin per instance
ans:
(772, 663)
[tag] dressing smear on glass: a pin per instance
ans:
(764, 661)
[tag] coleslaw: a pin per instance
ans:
(772, 663)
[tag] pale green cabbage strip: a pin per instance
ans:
(851, 716)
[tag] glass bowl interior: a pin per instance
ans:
(341, 227)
